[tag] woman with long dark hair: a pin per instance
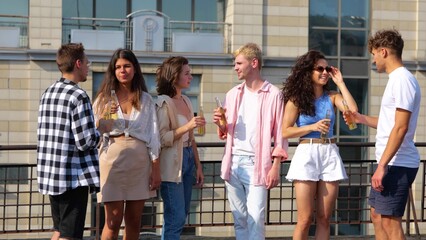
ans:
(179, 156)
(316, 167)
(129, 165)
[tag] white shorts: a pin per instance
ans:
(316, 161)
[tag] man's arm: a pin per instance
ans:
(273, 177)
(83, 125)
(396, 137)
(279, 152)
(363, 119)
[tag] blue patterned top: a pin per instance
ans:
(321, 105)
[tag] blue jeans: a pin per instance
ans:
(177, 198)
(247, 201)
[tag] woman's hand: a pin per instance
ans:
(114, 108)
(199, 176)
(195, 122)
(155, 178)
(105, 125)
(109, 108)
(322, 126)
(336, 75)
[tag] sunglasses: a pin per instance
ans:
(321, 69)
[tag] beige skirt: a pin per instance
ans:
(125, 168)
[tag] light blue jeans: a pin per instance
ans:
(177, 198)
(246, 200)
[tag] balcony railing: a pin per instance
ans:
(13, 31)
(148, 30)
(24, 210)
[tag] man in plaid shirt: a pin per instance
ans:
(67, 157)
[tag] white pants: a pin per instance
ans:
(246, 200)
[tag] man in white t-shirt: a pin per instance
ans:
(397, 157)
(254, 112)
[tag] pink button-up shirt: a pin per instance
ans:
(269, 119)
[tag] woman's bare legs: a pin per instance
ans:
(113, 219)
(305, 195)
(326, 199)
(132, 219)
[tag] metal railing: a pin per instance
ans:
(169, 27)
(24, 210)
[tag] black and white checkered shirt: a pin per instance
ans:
(67, 156)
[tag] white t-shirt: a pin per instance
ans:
(182, 120)
(245, 127)
(402, 91)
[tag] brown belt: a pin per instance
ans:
(317, 140)
(117, 136)
(187, 143)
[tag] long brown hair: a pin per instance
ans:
(168, 75)
(111, 82)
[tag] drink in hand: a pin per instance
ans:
(114, 100)
(107, 113)
(201, 129)
(324, 135)
(222, 121)
(351, 123)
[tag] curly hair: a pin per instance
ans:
(298, 87)
(168, 75)
(390, 39)
(111, 82)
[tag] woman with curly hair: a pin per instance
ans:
(179, 158)
(316, 167)
(129, 165)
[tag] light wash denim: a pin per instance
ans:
(246, 200)
(177, 198)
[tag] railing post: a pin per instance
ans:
(407, 221)
(416, 223)
(98, 219)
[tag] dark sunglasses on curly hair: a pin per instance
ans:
(321, 69)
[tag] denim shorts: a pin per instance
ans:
(393, 199)
(69, 212)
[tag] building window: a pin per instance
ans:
(182, 10)
(193, 92)
(183, 16)
(97, 78)
(14, 23)
(15, 7)
(339, 29)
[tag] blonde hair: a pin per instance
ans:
(250, 51)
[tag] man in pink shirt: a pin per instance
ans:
(250, 167)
